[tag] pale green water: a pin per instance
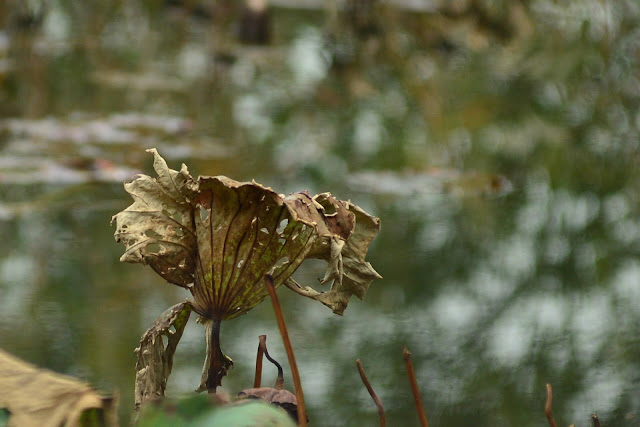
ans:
(501, 155)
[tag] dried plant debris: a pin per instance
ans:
(155, 360)
(381, 415)
(32, 396)
(218, 238)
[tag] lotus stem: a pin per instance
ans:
(414, 387)
(374, 396)
(302, 412)
(548, 405)
(216, 363)
(257, 379)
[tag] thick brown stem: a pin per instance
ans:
(548, 405)
(414, 387)
(596, 420)
(302, 412)
(374, 396)
(257, 379)
(216, 363)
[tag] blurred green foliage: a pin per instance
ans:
(200, 411)
(417, 118)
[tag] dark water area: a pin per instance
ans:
(496, 141)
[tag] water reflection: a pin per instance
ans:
(498, 145)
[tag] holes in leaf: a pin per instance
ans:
(294, 236)
(240, 263)
(282, 226)
(279, 264)
(204, 213)
(264, 230)
(153, 248)
(282, 240)
(176, 216)
(152, 234)
(329, 208)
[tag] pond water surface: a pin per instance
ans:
(498, 144)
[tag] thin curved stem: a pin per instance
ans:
(374, 396)
(280, 380)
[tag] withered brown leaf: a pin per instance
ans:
(224, 236)
(35, 396)
(155, 360)
(219, 237)
(157, 229)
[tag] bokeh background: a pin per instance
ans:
(497, 141)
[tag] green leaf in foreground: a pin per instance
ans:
(204, 411)
(4, 417)
(246, 414)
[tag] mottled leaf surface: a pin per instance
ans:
(244, 231)
(224, 236)
(347, 270)
(219, 238)
(157, 229)
(37, 397)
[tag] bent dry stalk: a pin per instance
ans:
(374, 396)
(218, 238)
